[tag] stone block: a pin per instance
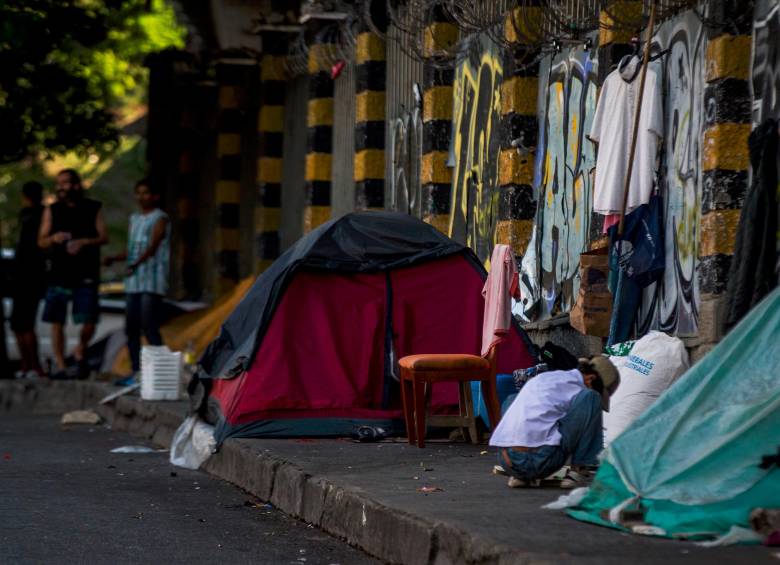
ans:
(288, 489)
(394, 535)
(712, 316)
(163, 436)
(313, 500)
(125, 405)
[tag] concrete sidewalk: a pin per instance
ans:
(369, 494)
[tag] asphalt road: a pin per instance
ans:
(65, 498)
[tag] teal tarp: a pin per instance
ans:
(689, 466)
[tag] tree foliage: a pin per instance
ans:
(66, 66)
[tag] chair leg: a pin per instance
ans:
(419, 411)
(490, 394)
(467, 404)
(408, 404)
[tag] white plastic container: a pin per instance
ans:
(160, 373)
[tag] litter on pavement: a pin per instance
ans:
(137, 449)
(81, 417)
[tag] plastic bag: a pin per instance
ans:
(193, 443)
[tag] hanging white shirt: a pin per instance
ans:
(612, 129)
(532, 419)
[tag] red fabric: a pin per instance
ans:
(609, 221)
(323, 350)
(323, 353)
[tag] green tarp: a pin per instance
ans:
(689, 466)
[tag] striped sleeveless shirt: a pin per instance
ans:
(151, 275)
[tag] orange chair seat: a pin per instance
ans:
(444, 362)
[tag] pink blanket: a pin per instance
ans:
(500, 287)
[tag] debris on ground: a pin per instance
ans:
(89, 417)
(137, 449)
(120, 392)
(427, 490)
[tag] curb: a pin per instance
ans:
(390, 534)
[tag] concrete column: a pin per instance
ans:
(270, 133)
(435, 176)
(228, 187)
(520, 131)
(725, 164)
(320, 139)
(371, 71)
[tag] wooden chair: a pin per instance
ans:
(419, 372)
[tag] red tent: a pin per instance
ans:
(322, 364)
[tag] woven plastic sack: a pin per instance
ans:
(653, 364)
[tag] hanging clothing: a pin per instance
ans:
(612, 129)
(500, 287)
(752, 273)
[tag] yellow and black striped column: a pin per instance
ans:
(270, 131)
(435, 177)
(617, 26)
(725, 156)
(228, 189)
(519, 93)
(320, 139)
(371, 70)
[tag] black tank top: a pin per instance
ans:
(83, 269)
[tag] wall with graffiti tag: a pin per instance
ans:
(563, 179)
(475, 146)
(672, 304)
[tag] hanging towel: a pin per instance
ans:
(500, 287)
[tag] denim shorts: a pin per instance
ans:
(86, 308)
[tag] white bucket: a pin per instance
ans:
(160, 373)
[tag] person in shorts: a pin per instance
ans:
(72, 230)
(29, 282)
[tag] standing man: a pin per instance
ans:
(148, 258)
(73, 229)
(29, 282)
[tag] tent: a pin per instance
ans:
(311, 348)
(691, 465)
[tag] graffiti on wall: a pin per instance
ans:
(563, 179)
(405, 155)
(765, 76)
(475, 146)
(672, 304)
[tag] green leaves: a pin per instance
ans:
(68, 66)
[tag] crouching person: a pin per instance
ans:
(557, 416)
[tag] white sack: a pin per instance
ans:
(655, 362)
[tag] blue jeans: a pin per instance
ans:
(582, 438)
(142, 316)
